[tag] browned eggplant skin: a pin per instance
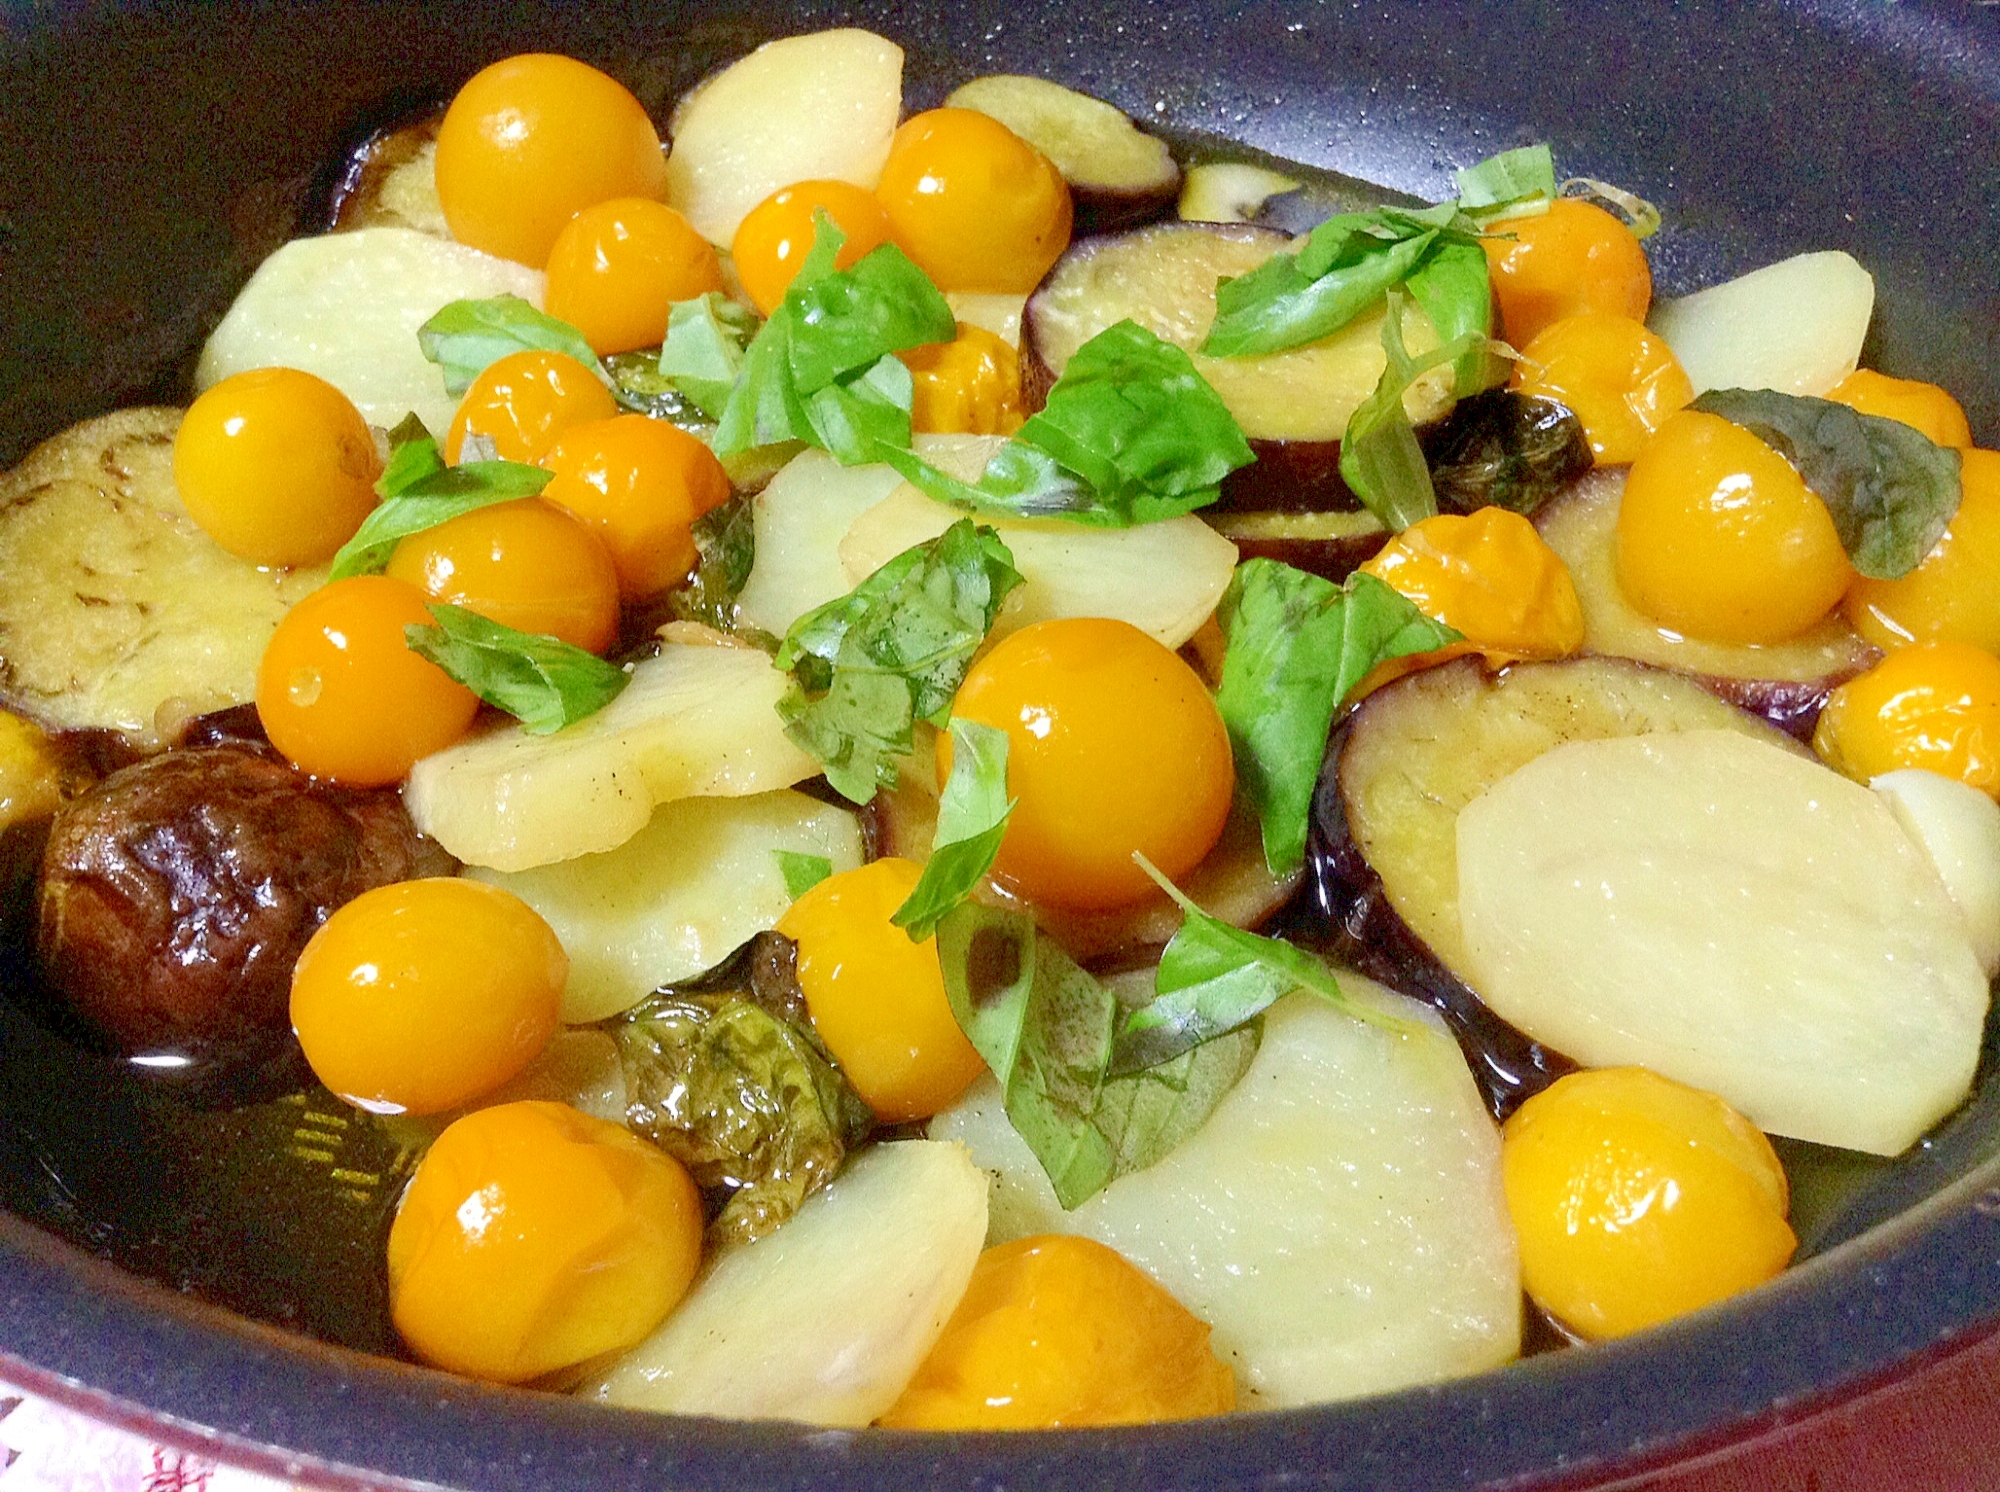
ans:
(1347, 915)
(176, 895)
(1101, 209)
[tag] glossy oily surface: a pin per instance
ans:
(970, 385)
(1922, 406)
(1620, 379)
(1954, 595)
(1488, 575)
(1934, 705)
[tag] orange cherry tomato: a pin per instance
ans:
(975, 205)
(1934, 705)
(1638, 1199)
(1719, 538)
(1114, 747)
(341, 694)
(533, 1238)
(1056, 1331)
(277, 466)
(1620, 379)
(526, 565)
(877, 999)
(639, 484)
(618, 267)
(1922, 406)
(1954, 595)
(523, 401)
(968, 386)
(776, 235)
(530, 142)
(1575, 257)
(418, 997)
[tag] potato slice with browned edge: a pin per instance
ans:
(1338, 1221)
(694, 721)
(1118, 175)
(826, 1319)
(116, 611)
(804, 108)
(1733, 916)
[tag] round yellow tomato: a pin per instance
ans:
(1620, 379)
(1954, 595)
(638, 484)
(776, 235)
(524, 401)
(974, 204)
(970, 385)
(617, 268)
(1921, 406)
(1575, 257)
(1934, 705)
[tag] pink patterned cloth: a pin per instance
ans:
(47, 1448)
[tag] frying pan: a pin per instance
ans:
(151, 153)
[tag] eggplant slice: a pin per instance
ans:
(1384, 849)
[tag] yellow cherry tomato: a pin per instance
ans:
(1113, 747)
(31, 772)
(533, 140)
(342, 696)
(1489, 575)
(877, 999)
(775, 236)
(526, 565)
(617, 268)
(277, 466)
(524, 401)
(533, 1238)
(1575, 257)
(418, 997)
(1638, 1199)
(1719, 538)
(1922, 406)
(1954, 595)
(1934, 705)
(970, 385)
(1620, 379)
(974, 204)
(1059, 1331)
(639, 484)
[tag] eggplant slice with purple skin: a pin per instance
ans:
(1383, 853)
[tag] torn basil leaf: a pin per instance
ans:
(1505, 449)
(1454, 290)
(467, 336)
(801, 871)
(1144, 1115)
(1641, 216)
(725, 542)
(1890, 488)
(637, 385)
(1380, 458)
(892, 651)
(972, 820)
(703, 352)
(1296, 646)
(1514, 183)
(420, 492)
(543, 682)
(742, 1097)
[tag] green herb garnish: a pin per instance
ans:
(801, 871)
(420, 492)
(543, 682)
(703, 353)
(468, 336)
(1380, 459)
(972, 819)
(1514, 183)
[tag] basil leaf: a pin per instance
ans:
(1456, 292)
(420, 492)
(894, 650)
(1345, 265)
(467, 336)
(802, 872)
(1890, 488)
(725, 542)
(543, 682)
(638, 386)
(853, 418)
(972, 819)
(1380, 459)
(1144, 1115)
(1510, 184)
(1297, 646)
(703, 353)
(852, 318)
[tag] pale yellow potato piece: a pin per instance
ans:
(347, 307)
(1733, 916)
(1338, 1221)
(805, 108)
(798, 521)
(1230, 191)
(678, 897)
(1958, 828)
(1795, 326)
(827, 1319)
(695, 721)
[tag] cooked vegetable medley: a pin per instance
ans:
(920, 776)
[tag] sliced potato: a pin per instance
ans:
(1164, 578)
(1958, 828)
(1795, 326)
(826, 1319)
(1735, 917)
(1119, 174)
(116, 611)
(1338, 1221)
(1230, 191)
(579, 1068)
(991, 311)
(694, 722)
(798, 521)
(347, 307)
(679, 896)
(804, 108)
